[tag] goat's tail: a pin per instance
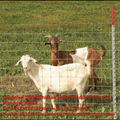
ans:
(103, 51)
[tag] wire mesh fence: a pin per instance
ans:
(19, 85)
(28, 38)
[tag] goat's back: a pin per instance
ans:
(63, 78)
(64, 57)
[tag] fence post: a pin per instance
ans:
(113, 63)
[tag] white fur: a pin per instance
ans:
(82, 53)
(58, 79)
(81, 56)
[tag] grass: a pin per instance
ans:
(22, 29)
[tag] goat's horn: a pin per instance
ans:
(48, 36)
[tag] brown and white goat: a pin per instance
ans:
(64, 57)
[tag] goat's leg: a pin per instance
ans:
(91, 83)
(44, 93)
(92, 79)
(80, 98)
(53, 103)
(96, 82)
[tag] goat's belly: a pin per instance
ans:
(60, 88)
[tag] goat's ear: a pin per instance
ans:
(62, 41)
(18, 63)
(32, 59)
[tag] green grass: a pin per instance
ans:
(22, 29)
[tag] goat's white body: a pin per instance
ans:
(60, 78)
(82, 53)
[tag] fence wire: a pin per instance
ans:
(23, 26)
(14, 77)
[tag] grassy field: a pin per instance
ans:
(22, 29)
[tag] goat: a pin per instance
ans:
(56, 79)
(94, 57)
(64, 57)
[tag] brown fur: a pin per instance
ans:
(58, 57)
(64, 57)
(94, 57)
(61, 58)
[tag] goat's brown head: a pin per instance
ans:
(53, 41)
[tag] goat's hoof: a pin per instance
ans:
(53, 111)
(44, 111)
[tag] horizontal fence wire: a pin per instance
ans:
(106, 81)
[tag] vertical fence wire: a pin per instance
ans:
(114, 64)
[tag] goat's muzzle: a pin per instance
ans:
(26, 69)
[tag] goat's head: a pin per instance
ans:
(24, 60)
(53, 40)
